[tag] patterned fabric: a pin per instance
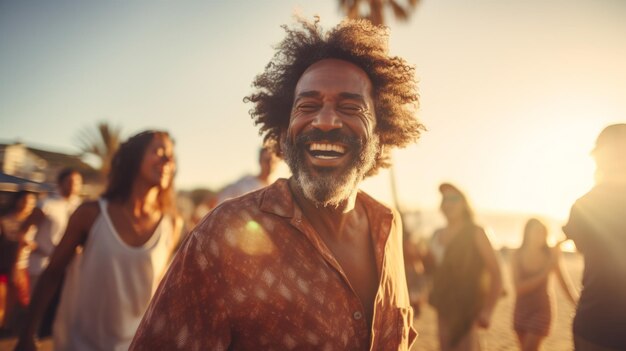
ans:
(254, 275)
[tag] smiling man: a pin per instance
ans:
(309, 262)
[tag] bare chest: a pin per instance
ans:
(355, 255)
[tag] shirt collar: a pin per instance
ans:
(277, 199)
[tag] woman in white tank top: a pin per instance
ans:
(114, 252)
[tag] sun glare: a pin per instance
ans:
(553, 162)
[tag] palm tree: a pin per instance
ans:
(101, 143)
(352, 9)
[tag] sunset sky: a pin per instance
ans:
(513, 93)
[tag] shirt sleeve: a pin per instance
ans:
(188, 310)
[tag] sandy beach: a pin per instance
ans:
(500, 336)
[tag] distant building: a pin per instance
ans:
(43, 166)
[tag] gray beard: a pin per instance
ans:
(329, 189)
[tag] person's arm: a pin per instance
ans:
(564, 278)
(577, 229)
(528, 284)
(76, 234)
(492, 266)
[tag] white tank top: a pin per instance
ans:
(108, 287)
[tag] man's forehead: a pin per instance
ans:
(340, 75)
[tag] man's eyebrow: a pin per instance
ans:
(352, 96)
(315, 93)
(309, 93)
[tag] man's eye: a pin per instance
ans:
(350, 108)
(307, 107)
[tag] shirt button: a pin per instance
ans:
(357, 315)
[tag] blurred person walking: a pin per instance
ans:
(114, 252)
(532, 265)
(51, 217)
(268, 162)
(467, 281)
(16, 240)
(597, 225)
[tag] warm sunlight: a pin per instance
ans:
(568, 246)
(552, 160)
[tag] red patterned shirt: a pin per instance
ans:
(255, 275)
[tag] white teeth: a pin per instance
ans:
(327, 147)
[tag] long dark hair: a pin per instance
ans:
(125, 168)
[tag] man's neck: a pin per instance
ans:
(334, 218)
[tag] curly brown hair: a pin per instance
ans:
(356, 41)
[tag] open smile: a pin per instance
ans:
(326, 150)
(326, 154)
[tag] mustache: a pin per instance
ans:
(333, 136)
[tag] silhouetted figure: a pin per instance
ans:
(597, 224)
(467, 280)
(124, 241)
(532, 264)
(309, 262)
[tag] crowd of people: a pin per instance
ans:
(309, 262)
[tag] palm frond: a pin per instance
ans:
(101, 142)
(398, 11)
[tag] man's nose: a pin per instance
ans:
(327, 120)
